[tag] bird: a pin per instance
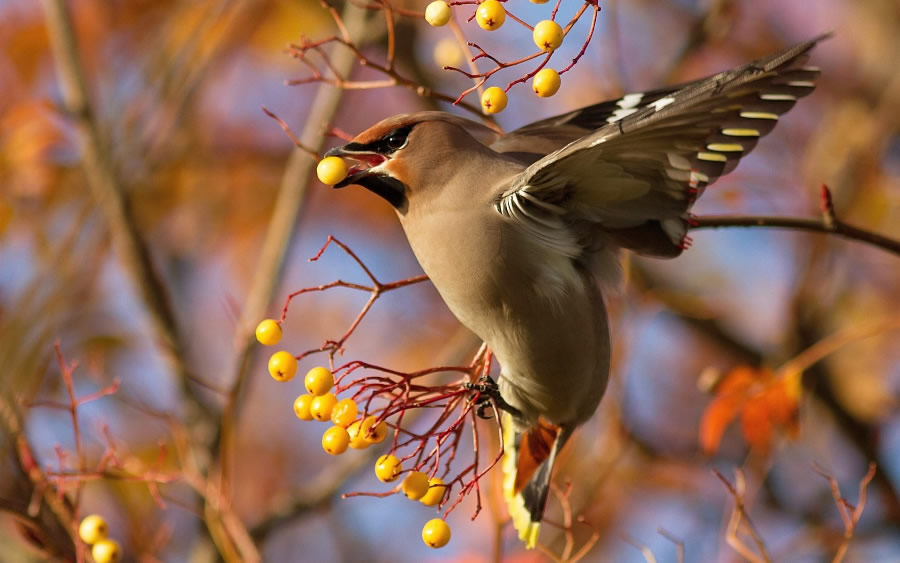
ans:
(521, 233)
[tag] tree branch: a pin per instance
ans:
(799, 224)
(290, 199)
(109, 194)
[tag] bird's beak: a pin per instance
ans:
(367, 171)
(363, 161)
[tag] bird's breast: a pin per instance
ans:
(543, 318)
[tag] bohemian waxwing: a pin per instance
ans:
(516, 230)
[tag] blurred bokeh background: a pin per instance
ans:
(175, 90)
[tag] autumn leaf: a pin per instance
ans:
(765, 401)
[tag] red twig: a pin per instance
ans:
(587, 40)
(387, 68)
(304, 48)
(376, 289)
(389, 394)
(291, 135)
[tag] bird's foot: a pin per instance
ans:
(486, 392)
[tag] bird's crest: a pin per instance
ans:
(482, 133)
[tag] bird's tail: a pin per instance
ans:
(528, 458)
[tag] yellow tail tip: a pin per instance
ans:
(529, 534)
(527, 529)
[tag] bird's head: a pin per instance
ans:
(406, 155)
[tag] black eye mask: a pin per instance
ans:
(390, 143)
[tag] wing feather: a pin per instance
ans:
(651, 155)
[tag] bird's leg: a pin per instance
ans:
(487, 391)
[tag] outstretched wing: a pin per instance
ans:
(637, 176)
(535, 140)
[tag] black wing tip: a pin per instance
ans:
(798, 50)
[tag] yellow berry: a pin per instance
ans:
(546, 82)
(387, 468)
(374, 433)
(335, 440)
(539, 1)
(106, 551)
(283, 366)
(268, 332)
(93, 529)
(493, 100)
(344, 412)
(415, 485)
(547, 35)
(436, 533)
(490, 15)
(321, 407)
(447, 52)
(435, 494)
(318, 381)
(302, 406)
(438, 13)
(358, 439)
(331, 170)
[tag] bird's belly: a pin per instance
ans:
(543, 319)
(552, 346)
(554, 360)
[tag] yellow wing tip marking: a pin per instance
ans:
(740, 132)
(725, 147)
(712, 157)
(759, 115)
(778, 97)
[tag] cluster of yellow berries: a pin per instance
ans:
(418, 486)
(349, 430)
(319, 403)
(490, 15)
(93, 531)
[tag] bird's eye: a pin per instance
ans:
(397, 139)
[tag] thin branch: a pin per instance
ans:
(338, 79)
(800, 224)
(679, 543)
(805, 359)
(314, 154)
(376, 290)
(467, 52)
(109, 194)
(644, 549)
(850, 514)
(587, 40)
(45, 512)
(290, 199)
(739, 516)
(326, 487)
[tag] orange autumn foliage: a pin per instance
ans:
(765, 400)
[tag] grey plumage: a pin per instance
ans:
(516, 230)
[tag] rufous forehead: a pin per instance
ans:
(382, 128)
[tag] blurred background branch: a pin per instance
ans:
(281, 228)
(112, 199)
